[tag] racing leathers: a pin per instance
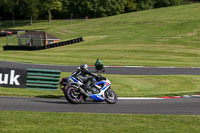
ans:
(81, 75)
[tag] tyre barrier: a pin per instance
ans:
(43, 79)
(32, 48)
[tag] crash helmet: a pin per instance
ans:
(84, 66)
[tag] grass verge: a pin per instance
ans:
(29, 122)
(128, 86)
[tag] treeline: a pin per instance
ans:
(65, 9)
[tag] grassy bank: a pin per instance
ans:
(159, 37)
(128, 86)
(27, 122)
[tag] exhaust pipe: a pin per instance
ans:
(82, 91)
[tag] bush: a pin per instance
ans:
(165, 3)
(145, 4)
(148, 4)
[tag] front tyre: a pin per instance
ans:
(73, 95)
(110, 96)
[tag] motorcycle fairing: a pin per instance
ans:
(100, 96)
(74, 79)
(105, 86)
(97, 97)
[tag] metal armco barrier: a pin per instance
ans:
(43, 79)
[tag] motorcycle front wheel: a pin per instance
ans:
(73, 95)
(110, 96)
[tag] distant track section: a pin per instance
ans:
(123, 70)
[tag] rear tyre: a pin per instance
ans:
(110, 96)
(73, 95)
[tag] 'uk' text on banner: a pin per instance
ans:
(13, 77)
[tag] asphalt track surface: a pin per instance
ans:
(111, 69)
(183, 106)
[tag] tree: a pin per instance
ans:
(10, 6)
(30, 9)
(65, 9)
(130, 5)
(51, 5)
(145, 4)
(1, 10)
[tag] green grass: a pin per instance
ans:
(158, 37)
(21, 92)
(128, 86)
(43, 122)
(152, 86)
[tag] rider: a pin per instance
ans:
(98, 65)
(81, 73)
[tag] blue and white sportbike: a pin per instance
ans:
(100, 90)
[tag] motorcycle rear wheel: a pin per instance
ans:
(73, 95)
(110, 96)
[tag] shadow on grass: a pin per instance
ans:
(9, 24)
(18, 23)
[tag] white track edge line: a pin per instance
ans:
(137, 98)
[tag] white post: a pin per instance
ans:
(19, 39)
(30, 40)
(41, 40)
(71, 17)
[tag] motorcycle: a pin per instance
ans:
(99, 68)
(100, 90)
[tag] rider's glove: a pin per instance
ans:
(99, 77)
